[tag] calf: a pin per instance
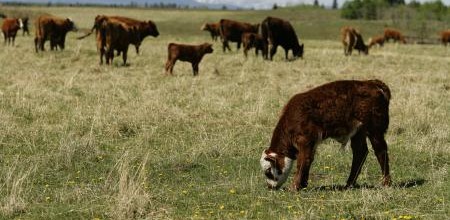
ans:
(352, 39)
(213, 29)
(252, 40)
(188, 53)
(376, 40)
(10, 27)
(394, 35)
(342, 110)
(445, 37)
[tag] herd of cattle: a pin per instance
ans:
(116, 33)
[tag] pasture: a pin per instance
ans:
(83, 141)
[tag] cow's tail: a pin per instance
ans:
(383, 88)
(89, 33)
(221, 30)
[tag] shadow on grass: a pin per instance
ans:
(404, 184)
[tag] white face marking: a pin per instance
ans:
(278, 177)
(20, 23)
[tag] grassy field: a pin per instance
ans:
(83, 141)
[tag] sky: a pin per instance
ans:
(256, 4)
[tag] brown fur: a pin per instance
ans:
(10, 27)
(376, 40)
(213, 29)
(252, 40)
(188, 53)
(352, 39)
(54, 29)
(445, 37)
(233, 30)
(280, 32)
(394, 35)
(334, 110)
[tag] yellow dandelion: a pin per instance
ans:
(242, 212)
(289, 207)
(47, 198)
(96, 219)
(232, 191)
(184, 191)
(221, 207)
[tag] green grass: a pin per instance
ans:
(83, 141)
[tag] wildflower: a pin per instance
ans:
(232, 191)
(221, 207)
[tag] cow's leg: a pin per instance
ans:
(168, 64)
(36, 44)
(286, 53)
(359, 151)
(256, 51)
(225, 45)
(13, 40)
(124, 56)
(379, 145)
(273, 50)
(102, 53)
(195, 68)
(137, 49)
(238, 45)
(305, 157)
(5, 38)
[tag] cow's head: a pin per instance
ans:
(276, 168)
(152, 29)
(207, 48)
(20, 23)
(71, 25)
(298, 51)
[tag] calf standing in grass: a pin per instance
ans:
(188, 53)
(252, 40)
(445, 37)
(342, 110)
(394, 35)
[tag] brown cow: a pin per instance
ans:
(376, 40)
(352, 39)
(445, 37)
(10, 27)
(117, 38)
(188, 53)
(279, 32)
(232, 31)
(52, 28)
(252, 40)
(213, 29)
(137, 31)
(341, 110)
(394, 35)
(25, 28)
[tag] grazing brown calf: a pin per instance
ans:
(54, 29)
(10, 27)
(342, 110)
(232, 31)
(352, 39)
(394, 35)
(279, 32)
(445, 37)
(252, 40)
(188, 53)
(376, 40)
(213, 29)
